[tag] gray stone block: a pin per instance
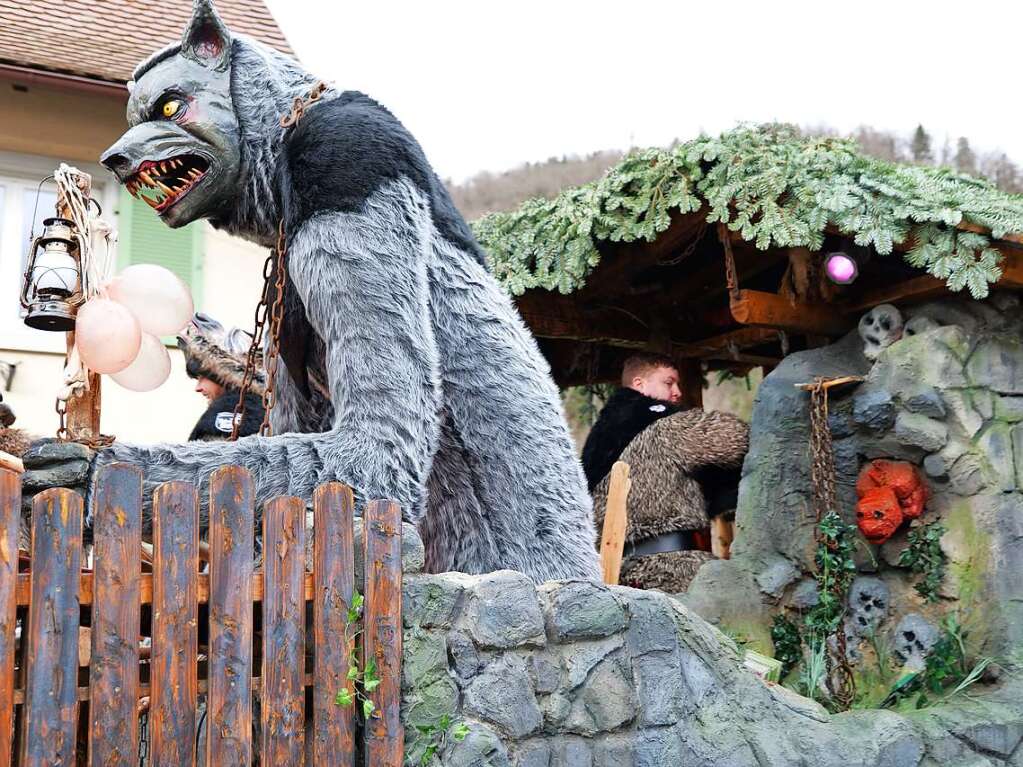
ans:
(424, 658)
(431, 600)
(503, 611)
(68, 474)
(581, 658)
(555, 709)
(581, 610)
(606, 700)
(546, 673)
(805, 594)
(874, 409)
(572, 752)
(967, 475)
(46, 452)
(503, 695)
(481, 748)
(613, 751)
(995, 444)
(662, 691)
(660, 748)
(926, 401)
(920, 431)
(651, 622)
(1017, 449)
(464, 658)
(997, 364)
(532, 753)
(961, 412)
(1009, 409)
(776, 576)
(935, 466)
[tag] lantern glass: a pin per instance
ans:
(52, 287)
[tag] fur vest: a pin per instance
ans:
(216, 423)
(625, 415)
(666, 461)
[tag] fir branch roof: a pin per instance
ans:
(776, 188)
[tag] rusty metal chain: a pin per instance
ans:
(301, 104)
(731, 274)
(840, 680)
(271, 302)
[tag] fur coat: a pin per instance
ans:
(665, 461)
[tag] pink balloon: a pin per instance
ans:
(156, 296)
(107, 335)
(150, 368)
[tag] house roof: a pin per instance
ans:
(774, 188)
(105, 39)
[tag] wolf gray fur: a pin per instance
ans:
(439, 395)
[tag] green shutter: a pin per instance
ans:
(145, 239)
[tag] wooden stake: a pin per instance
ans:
(612, 542)
(83, 409)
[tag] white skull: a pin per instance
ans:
(919, 324)
(880, 328)
(868, 605)
(912, 640)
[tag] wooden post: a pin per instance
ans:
(10, 516)
(83, 409)
(615, 521)
(690, 382)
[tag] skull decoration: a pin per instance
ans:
(880, 328)
(919, 324)
(868, 605)
(889, 492)
(878, 514)
(912, 641)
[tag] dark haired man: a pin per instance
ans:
(684, 470)
(216, 358)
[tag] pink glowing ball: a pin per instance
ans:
(155, 295)
(107, 335)
(150, 368)
(840, 268)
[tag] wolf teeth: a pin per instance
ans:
(152, 203)
(147, 178)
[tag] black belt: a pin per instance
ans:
(679, 540)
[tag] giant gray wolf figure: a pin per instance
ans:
(408, 373)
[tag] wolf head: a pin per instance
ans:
(202, 118)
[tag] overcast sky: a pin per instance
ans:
(488, 85)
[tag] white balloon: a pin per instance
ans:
(107, 336)
(155, 295)
(150, 368)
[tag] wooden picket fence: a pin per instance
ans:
(164, 640)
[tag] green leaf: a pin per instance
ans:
(344, 698)
(367, 708)
(460, 731)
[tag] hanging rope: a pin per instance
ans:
(97, 250)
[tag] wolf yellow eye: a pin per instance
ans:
(171, 107)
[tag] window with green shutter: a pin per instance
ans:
(145, 239)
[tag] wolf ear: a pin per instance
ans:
(206, 40)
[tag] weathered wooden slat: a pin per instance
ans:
(175, 617)
(229, 706)
(114, 668)
(283, 701)
(334, 572)
(51, 708)
(385, 737)
(616, 516)
(10, 516)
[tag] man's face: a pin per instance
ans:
(660, 383)
(208, 388)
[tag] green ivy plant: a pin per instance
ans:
(924, 556)
(773, 186)
(433, 738)
(788, 643)
(364, 679)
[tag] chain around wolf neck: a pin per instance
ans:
(271, 302)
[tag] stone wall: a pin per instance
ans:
(576, 674)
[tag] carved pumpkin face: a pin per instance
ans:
(878, 514)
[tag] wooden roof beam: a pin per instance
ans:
(769, 310)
